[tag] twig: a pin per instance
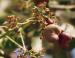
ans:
(15, 42)
(62, 6)
(25, 22)
(22, 38)
(4, 26)
(28, 20)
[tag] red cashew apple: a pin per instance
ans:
(54, 33)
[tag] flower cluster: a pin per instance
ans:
(40, 2)
(51, 30)
(29, 54)
(11, 21)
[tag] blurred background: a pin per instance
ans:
(64, 10)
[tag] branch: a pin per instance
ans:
(62, 7)
(22, 38)
(15, 42)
